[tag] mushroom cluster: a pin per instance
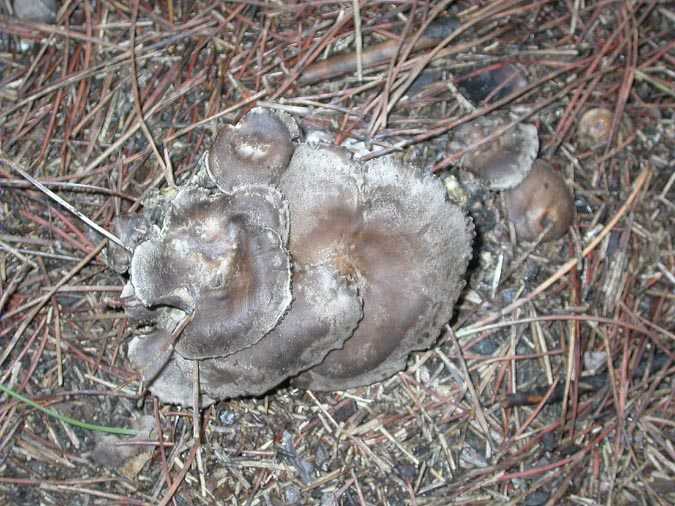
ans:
(538, 201)
(284, 260)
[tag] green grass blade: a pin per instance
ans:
(71, 421)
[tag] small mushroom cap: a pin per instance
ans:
(222, 258)
(595, 127)
(500, 164)
(390, 229)
(253, 152)
(541, 200)
(325, 311)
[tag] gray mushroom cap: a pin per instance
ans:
(167, 374)
(500, 164)
(253, 152)
(325, 311)
(390, 229)
(218, 255)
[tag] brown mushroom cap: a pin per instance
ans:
(253, 152)
(503, 163)
(595, 127)
(541, 200)
(218, 254)
(391, 230)
(325, 311)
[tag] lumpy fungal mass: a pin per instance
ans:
(284, 260)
